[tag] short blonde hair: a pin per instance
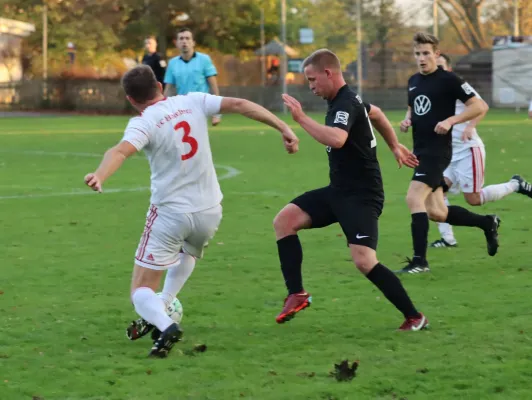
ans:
(323, 59)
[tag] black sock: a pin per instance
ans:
(291, 257)
(459, 216)
(420, 233)
(392, 288)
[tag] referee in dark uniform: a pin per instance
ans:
(432, 96)
(153, 59)
(354, 198)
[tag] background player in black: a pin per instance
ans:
(153, 59)
(432, 95)
(354, 197)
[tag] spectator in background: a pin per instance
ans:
(530, 110)
(191, 71)
(153, 59)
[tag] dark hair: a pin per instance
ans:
(323, 59)
(446, 58)
(140, 84)
(185, 30)
(426, 38)
(150, 37)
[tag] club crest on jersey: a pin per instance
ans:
(341, 117)
(422, 104)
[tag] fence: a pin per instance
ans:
(107, 97)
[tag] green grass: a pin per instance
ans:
(67, 257)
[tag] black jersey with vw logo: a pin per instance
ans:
(354, 167)
(432, 99)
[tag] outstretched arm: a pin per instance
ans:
(112, 160)
(258, 113)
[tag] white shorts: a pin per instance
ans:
(467, 174)
(166, 233)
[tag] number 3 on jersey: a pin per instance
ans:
(373, 142)
(187, 139)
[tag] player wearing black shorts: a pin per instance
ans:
(432, 96)
(354, 198)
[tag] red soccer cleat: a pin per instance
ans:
(292, 305)
(415, 323)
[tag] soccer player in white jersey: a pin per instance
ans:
(185, 200)
(466, 171)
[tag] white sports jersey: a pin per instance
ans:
(173, 133)
(461, 148)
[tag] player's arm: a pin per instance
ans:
(383, 125)
(170, 88)
(475, 121)
(475, 106)
(112, 160)
(213, 84)
(332, 136)
(407, 122)
(258, 113)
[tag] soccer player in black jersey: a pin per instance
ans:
(432, 96)
(354, 198)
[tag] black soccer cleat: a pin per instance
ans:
(414, 266)
(492, 235)
(440, 243)
(165, 342)
(524, 186)
(138, 329)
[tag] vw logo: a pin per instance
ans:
(421, 104)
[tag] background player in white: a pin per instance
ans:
(185, 203)
(466, 171)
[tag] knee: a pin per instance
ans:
(289, 220)
(364, 260)
(437, 214)
(473, 199)
(414, 200)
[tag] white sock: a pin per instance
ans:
(446, 230)
(497, 192)
(151, 307)
(177, 276)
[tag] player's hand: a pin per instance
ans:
(290, 140)
(92, 181)
(405, 124)
(294, 106)
(443, 127)
(216, 120)
(468, 133)
(405, 156)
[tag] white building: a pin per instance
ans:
(11, 34)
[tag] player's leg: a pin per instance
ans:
(472, 181)
(360, 224)
(459, 216)
(203, 226)
(447, 238)
(158, 251)
(420, 187)
(310, 210)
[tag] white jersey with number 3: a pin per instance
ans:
(461, 148)
(174, 135)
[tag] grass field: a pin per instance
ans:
(67, 256)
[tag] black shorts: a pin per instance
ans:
(358, 217)
(430, 171)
